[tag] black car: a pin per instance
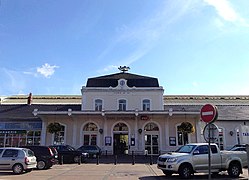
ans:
(44, 156)
(55, 152)
(68, 154)
(238, 149)
(238, 145)
(92, 150)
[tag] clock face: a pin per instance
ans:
(122, 82)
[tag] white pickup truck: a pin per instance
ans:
(192, 158)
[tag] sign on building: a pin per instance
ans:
(244, 134)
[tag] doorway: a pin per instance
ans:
(120, 145)
(151, 139)
(151, 144)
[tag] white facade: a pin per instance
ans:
(110, 97)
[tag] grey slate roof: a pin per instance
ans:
(225, 112)
(43, 99)
(133, 80)
(204, 99)
(25, 112)
(229, 107)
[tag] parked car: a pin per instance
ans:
(238, 149)
(55, 152)
(192, 158)
(239, 145)
(68, 154)
(17, 159)
(92, 150)
(44, 156)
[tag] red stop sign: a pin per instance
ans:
(209, 113)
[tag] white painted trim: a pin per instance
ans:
(43, 133)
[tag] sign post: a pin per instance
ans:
(209, 114)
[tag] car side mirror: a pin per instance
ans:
(196, 152)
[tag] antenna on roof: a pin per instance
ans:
(123, 68)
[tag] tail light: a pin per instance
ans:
(26, 160)
(51, 152)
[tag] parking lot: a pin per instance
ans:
(103, 171)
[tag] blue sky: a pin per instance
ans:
(194, 47)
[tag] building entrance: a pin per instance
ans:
(120, 145)
(151, 139)
(151, 144)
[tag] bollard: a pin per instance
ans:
(79, 159)
(133, 158)
(97, 159)
(151, 160)
(61, 160)
(115, 159)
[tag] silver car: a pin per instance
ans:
(17, 159)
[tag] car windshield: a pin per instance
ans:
(186, 149)
(70, 148)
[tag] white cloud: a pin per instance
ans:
(226, 11)
(46, 70)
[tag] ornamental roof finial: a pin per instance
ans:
(124, 68)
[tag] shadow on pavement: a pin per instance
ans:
(173, 177)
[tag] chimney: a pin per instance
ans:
(30, 99)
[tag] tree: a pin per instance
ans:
(186, 128)
(54, 127)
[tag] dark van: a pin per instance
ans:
(44, 156)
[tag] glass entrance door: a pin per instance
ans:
(151, 144)
(120, 145)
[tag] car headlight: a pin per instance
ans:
(172, 160)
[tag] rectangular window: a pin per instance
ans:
(86, 139)
(93, 139)
(122, 105)
(146, 105)
(98, 105)
(59, 136)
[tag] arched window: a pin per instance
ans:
(120, 127)
(151, 127)
(151, 139)
(146, 105)
(90, 127)
(98, 105)
(122, 105)
(59, 137)
(90, 131)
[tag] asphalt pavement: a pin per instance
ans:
(107, 169)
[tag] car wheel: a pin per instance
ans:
(234, 170)
(76, 159)
(41, 165)
(17, 169)
(185, 171)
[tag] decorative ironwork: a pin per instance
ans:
(124, 68)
